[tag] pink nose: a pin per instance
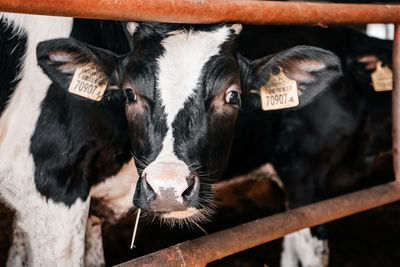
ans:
(166, 187)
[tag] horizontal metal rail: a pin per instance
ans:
(210, 11)
(200, 251)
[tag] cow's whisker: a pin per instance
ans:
(201, 228)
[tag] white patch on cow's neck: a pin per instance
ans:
(116, 192)
(180, 67)
(44, 221)
(18, 120)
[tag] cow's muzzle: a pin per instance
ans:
(164, 190)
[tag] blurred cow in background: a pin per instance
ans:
(337, 144)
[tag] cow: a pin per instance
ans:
(337, 144)
(183, 86)
(58, 151)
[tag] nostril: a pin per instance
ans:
(191, 193)
(144, 193)
(148, 191)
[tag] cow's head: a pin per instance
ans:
(95, 137)
(183, 85)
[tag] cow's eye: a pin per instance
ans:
(130, 95)
(233, 97)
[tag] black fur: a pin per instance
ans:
(333, 145)
(147, 127)
(79, 142)
(311, 142)
(106, 34)
(13, 46)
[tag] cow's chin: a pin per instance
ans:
(186, 218)
(180, 214)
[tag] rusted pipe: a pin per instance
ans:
(210, 11)
(198, 252)
(396, 103)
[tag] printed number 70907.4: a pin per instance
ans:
(278, 99)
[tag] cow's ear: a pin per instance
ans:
(313, 69)
(129, 29)
(60, 58)
(366, 56)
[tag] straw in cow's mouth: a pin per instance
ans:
(135, 228)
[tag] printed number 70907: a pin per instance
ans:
(278, 99)
(85, 87)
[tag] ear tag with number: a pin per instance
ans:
(280, 92)
(382, 78)
(89, 81)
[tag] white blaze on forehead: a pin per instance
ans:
(181, 64)
(180, 67)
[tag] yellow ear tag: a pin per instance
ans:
(382, 78)
(89, 81)
(280, 92)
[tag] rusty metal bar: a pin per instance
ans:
(396, 103)
(210, 11)
(198, 252)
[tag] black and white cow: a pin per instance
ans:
(335, 145)
(183, 86)
(57, 149)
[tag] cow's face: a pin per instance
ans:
(182, 87)
(183, 95)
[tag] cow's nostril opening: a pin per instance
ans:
(188, 192)
(144, 193)
(148, 191)
(193, 189)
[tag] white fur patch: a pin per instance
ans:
(131, 27)
(180, 67)
(94, 252)
(117, 191)
(19, 254)
(18, 121)
(302, 247)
